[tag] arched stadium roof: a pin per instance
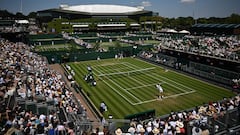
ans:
(102, 9)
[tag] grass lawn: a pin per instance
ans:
(151, 42)
(106, 45)
(56, 47)
(134, 90)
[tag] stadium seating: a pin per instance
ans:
(37, 102)
(25, 100)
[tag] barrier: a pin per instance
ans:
(142, 115)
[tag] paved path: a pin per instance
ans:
(90, 114)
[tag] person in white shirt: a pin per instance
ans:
(159, 87)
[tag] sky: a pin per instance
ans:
(165, 8)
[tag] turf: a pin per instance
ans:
(56, 47)
(135, 92)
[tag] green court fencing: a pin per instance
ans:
(47, 42)
(90, 54)
(214, 70)
(97, 39)
(142, 115)
(89, 34)
(136, 38)
(30, 105)
(45, 36)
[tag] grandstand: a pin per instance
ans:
(94, 11)
(95, 17)
(219, 29)
(114, 74)
(24, 100)
(191, 69)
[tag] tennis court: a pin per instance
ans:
(139, 80)
(128, 86)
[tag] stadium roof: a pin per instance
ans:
(217, 25)
(102, 9)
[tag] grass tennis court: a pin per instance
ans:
(128, 86)
(56, 47)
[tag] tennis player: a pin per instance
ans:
(160, 89)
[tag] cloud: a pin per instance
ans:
(187, 1)
(146, 4)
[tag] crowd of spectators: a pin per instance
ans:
(219, 46)
(177, 123)
(236, 83)
(27, 76)
(77, 40)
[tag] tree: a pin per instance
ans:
(97, 46)
(5, 14)
(20, 16)
(234, 18)
(117, 45)
(202, 20)
(32, 15)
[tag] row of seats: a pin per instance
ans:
(36, 99)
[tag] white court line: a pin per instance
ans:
(109, 64)
(152, 76)
(125, 90)
(168, 80)
(132, 88)
(175, 95)
(115, 69)
(135, 80)
(119, 92)
(147, 101)
(175, 82)
(184, 75)
(173, 85)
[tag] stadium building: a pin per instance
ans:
(104, 17)
(216, 29)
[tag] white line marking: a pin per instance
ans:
(120, 88)
(175, 82)
(169, 80)
(107, 64)
(175, 95)
(115, 69)
(125, 90)
(184, 91)
(154, 77)
(185, 75)
(132, 88)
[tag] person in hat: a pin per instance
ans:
(118, 131)
(131, 130)
(196, 131)
(180, 125)
(142, 131)
(155, 131)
